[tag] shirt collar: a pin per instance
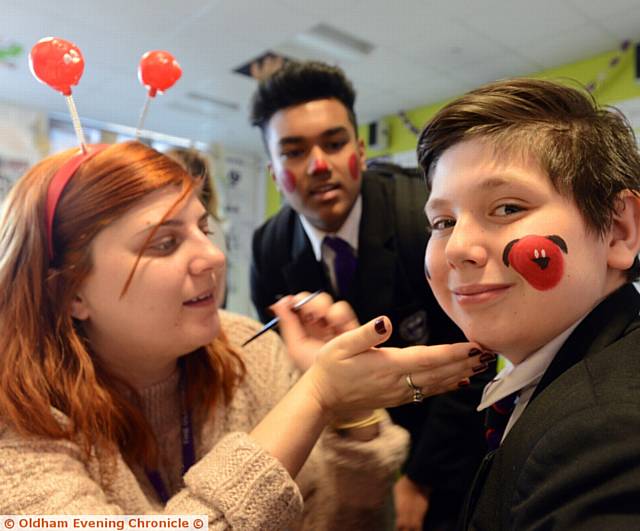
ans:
(525, 374)
(348, 232)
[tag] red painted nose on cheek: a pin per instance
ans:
(288, 180)
(539, 259)
(354, 167)
(319, 166)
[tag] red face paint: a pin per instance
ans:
(288, 180)
(538, 259)
(354, 167)
(319, 166)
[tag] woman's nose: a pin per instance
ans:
(207, 258)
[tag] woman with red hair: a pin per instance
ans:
(124, 390)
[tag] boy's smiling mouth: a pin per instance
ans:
(477, 293)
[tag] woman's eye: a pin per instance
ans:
(507, 210)
(168, 243)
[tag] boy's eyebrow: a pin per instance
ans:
(491, 183)
(435, 204)
(286, 140)
(171, 223)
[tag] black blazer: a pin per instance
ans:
(572, 460)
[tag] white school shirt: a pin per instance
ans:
(523, 377)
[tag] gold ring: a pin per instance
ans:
(417, 392)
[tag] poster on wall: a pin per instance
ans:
(242, 187)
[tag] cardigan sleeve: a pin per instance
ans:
(360, 476)
(346, 483)
(237, 484)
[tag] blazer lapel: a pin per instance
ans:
(604, 325)
(376, 252)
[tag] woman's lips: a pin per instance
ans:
(204, 299)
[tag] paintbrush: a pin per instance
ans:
(274, 322)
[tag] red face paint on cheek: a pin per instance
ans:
(538, 259)
(287, 180)
(354, 167)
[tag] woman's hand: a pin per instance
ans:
(320, 320)
(350, 374)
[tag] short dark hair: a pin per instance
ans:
(589, 152)
(301, 82)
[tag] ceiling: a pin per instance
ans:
(423, 51)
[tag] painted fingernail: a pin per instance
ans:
(480, 368)
(474, 352)
(380, 326)
(487, 357)
(322, 322)
(463, 383)
(308, 318)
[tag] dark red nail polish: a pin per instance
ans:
(474, 352)
(380, 327)
(479, 368)
(487, 357)
(463, 383)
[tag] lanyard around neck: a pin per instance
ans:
(186, 431)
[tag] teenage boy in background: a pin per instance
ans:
(535, 215)
(361, 237)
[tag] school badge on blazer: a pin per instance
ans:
(414, 329)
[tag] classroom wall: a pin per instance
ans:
(618, 83)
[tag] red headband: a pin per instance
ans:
(58, 183)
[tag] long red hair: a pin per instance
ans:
(45, 361)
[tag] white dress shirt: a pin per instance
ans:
(523, 377)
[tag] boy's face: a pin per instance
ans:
(316, 160)
(510, 259)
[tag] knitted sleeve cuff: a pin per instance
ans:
(366, 469)
(249, 486)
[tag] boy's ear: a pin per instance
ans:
(624, 236)
(79, 309)
(362, 154)
(272, 175)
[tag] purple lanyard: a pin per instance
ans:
(188, 447)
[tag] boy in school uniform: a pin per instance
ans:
(534, 212)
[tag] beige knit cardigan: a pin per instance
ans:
(345, 484)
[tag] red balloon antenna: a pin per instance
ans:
(59, 64)
(158, 71)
